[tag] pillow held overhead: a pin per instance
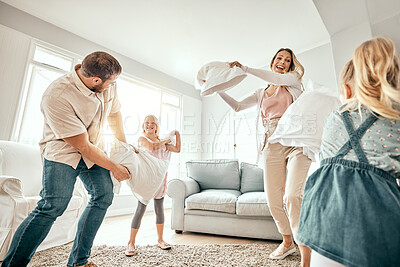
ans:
(218, 77)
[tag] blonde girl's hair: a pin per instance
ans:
(155, 120)
(295, 65)
(376, 69)
(347, 77)
(347, 74)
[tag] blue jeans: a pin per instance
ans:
(58, 185)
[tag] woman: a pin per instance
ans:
(285, 168)
(151, 142)
(351, 207)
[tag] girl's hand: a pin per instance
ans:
(234, 63)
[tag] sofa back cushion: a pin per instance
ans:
(252, 178)
(215, 174)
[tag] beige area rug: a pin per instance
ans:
(179, 255)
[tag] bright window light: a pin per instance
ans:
(236, 138)
(32, 119)
(53, 59)
(170, 99)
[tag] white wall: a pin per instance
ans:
(350, 23)
(319, 66)
(14, 51)
(389, 28)
(191, 132)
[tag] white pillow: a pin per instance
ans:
(171, 136)
(303, 122)
(218, 77)
(147, 171)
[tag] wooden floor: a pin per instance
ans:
(115, 232)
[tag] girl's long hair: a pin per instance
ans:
(376, 77)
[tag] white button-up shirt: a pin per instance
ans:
(69, 109)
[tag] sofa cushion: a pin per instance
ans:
(252, 178)
(214, 199)
(252, 204)
(215, 174)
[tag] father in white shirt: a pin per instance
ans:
(75, 107)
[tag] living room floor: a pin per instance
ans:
(115, 232)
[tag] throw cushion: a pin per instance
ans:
(215, 174)
(147, 172)
(252, 204)
(252, 178)
(303, 122)
(214, 200)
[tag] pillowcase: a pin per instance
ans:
(218, 77)
(215, 174)
(303, 122)
(252, 178)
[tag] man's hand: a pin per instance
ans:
(120, 172)
(134, 148)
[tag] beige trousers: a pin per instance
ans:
(285, 174)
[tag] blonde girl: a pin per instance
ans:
(151, 142)
(351, 207)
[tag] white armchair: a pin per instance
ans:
(20, 184)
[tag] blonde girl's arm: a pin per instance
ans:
(177, 147)
(143, 142)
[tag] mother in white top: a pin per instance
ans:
(285, 167)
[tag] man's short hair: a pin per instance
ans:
(100, 64)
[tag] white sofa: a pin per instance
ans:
(20, 184)
(219, 198)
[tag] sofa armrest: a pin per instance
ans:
(178, 190)
(182, 188)
(14, 209)
(11, 186)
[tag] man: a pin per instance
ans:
(74, 107)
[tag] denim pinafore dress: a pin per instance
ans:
(351, 210)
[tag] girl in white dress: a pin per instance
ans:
(161, 149)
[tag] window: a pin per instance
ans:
(170, 120)
(139, 100)
(45, 66)
(236, 137)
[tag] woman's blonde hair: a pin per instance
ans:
(295, 65)
(376, 77)
(155, 120)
